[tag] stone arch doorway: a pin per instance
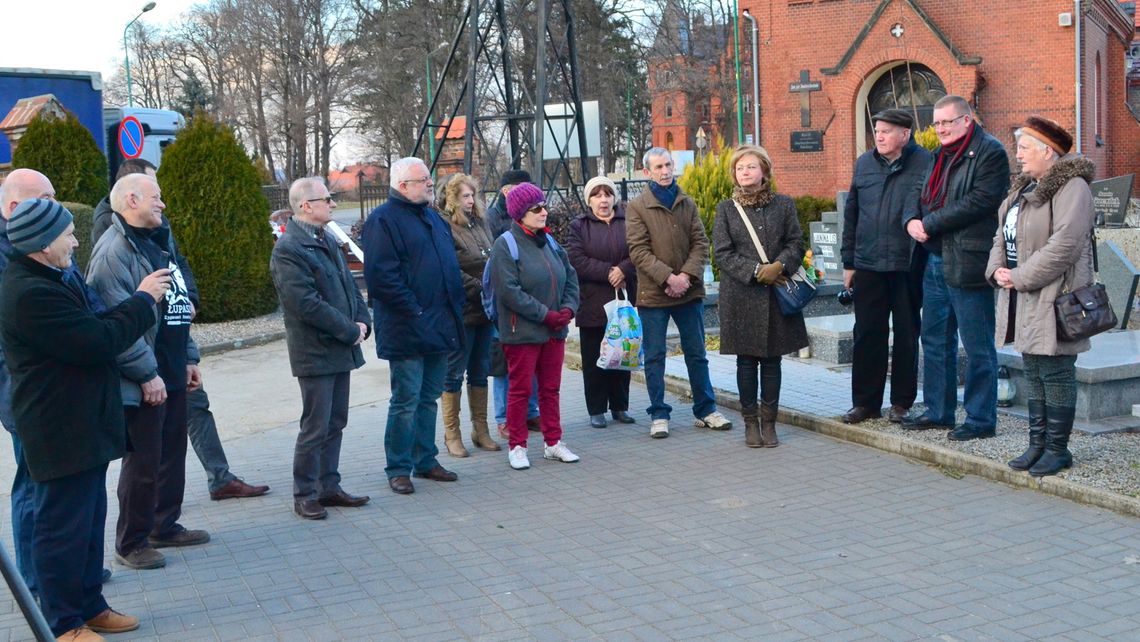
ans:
(911, 86)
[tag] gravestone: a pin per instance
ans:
(1120, 278)
(1110, 199)
(826, 239)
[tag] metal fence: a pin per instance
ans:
(277, 195)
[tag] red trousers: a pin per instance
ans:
(525, 362)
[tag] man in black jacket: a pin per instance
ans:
(881, 265)
(67, 409)
(955, 217)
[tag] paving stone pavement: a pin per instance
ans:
(691, 537)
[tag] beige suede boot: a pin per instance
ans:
(449, 406)
(480, 433)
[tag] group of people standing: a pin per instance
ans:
(929, 237)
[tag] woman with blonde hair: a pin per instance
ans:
(752, 326)
(462, 209)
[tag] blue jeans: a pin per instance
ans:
(500, 389)
(474, 359)
(409, 438)
(23, 514)
(689, 318)
(949, 312)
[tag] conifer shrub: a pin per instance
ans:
(83, 217)
(218, 213)
(708, 181)
(809, 209)
(927, 138)
(65, 151)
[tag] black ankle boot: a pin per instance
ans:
(1058, 427)
(1036, 437)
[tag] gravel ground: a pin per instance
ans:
(227, 332)
(1108, 462)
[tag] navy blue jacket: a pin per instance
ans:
(873, 236)
(413, 279)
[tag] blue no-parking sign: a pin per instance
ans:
(131, 137)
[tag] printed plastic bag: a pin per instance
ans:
(621, 346)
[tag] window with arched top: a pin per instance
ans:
(668, 108)
(910, 86)
(669, 141)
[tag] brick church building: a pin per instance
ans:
(826, 65)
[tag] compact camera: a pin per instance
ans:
(846, 297)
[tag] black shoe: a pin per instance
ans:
(439, 474)
(106, 575)
(623, 417)
(859, 414)
(967, 433)
(922, 422)
(598, 421)
(309, 509)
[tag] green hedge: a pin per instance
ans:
(218, 213)
(84, 216)
(809, 209)
(64, 151)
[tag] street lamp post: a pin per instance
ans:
(127, 52)
(736, 61)
(431, 134)
(755, 79)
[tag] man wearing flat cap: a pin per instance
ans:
(67, 408)
(955, 218)
(883, 265)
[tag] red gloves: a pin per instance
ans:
(565, 314)
(553, 321)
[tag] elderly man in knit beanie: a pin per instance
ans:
(669, 248)
(67, 409)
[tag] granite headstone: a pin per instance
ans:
(1110, 199)
(825, 243)
(1120, 278)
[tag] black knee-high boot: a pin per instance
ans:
(1058, 427)
(1036, 437)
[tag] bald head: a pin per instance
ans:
(21, 185)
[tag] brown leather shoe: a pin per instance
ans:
(237, 489)
(111, 621)
(344, 500)
(309, 509)
(180, 536)
(534, 424)
(439, 473)
(80, 634)
(142, 558)
(401, 485)
(897, 414)
(859, 414)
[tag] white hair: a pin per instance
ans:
(303, 189)
(655, 151)
(1017, 135)
(400, 170)
(127, 185)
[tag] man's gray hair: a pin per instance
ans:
(302, 190)
(125, 186)
(401, 170)
(655, 151)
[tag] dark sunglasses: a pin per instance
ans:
(326, 199)
(537, 208)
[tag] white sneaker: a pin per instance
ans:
(517, 457)
(713, 421)
(659, 429)
(560, 452)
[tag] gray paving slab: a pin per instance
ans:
(691, 537)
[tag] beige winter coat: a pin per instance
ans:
(1048, 263)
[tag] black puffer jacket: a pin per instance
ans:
(962, 231)
(873, 238)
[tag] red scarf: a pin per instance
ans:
(934, 192)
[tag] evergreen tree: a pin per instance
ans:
(66, 152)
(219, 216)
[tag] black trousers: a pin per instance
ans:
(67, 547)
(883, 299)
(316, 455)
(767, 385)
(153, 478)
(603, 387)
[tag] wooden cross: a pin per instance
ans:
(804, 88)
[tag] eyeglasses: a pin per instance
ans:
(947, 123)
(537, 208)
(418, 180)
(326, 199)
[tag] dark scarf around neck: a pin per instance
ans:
(665, 195)
(934, 192)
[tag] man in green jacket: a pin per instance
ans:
(668, 246)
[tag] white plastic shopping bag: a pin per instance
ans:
(621, 346)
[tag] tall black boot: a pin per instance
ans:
(1058, 427)
(1036, 437)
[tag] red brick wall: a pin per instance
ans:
(1027, 67)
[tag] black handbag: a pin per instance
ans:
(1085, 311)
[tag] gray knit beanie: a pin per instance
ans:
(35, 223)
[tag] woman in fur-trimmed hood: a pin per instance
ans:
(1043, 249)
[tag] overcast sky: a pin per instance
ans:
(83, 35)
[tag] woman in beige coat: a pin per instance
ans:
(1042, 249)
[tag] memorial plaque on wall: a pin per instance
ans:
(825, 244)
(807, 141)
(1110, 199)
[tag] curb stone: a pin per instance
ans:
(244, 342)
(926, 453)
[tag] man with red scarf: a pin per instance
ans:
(955, 219)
